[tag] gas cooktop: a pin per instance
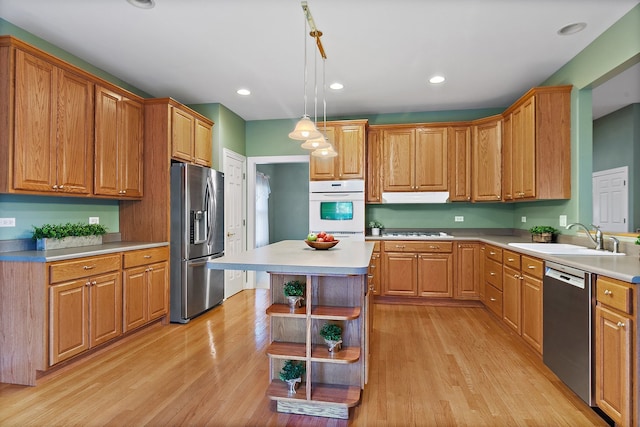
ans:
(416, 235)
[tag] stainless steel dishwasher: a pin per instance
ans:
(567, 327)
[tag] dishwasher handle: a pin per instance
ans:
(569, 279)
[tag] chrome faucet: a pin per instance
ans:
(598, 239)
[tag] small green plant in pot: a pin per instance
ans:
(375, 227)
(294, 291)
(292, 373)
(332, 335)
(57, 236)
(543, 233)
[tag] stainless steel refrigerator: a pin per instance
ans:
(197, 235)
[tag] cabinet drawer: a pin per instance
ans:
(493, 273)
(511, 259)
(532, 266)
(430, 246)
(145, 256)
(614, 293)
(493, 253)
(493, 300)
(83, 267)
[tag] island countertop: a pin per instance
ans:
(294, 256)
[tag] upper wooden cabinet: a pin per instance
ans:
(460, 163)
(190, 135)
(48, 110)
(415, 158)
(487, 165)
(348, 138)
(374, 166)
(537, 155)
(118, 147)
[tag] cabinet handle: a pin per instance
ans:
(621, 324)
(370, 276)
(434, 247)
(372, 288)
(491, 253)
(400, 246)
(88, 283)
(147, 256)
(94, 283)
(89, 267)
(510, 259)
(493, 299)
(491, 273)
(531, 267)
(608, 292)
(55, 186)
(515, 276)
(149, 269)
(468, 197)
(60, 187)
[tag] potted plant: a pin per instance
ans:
(543, 233)
(332, 335)
(375, 227)
(292, 373)
(58, 236)
(294, 291)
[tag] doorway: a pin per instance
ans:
(235, 166)
(611, 199)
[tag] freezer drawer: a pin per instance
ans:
(195, 289)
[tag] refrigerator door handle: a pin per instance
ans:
(209, 204)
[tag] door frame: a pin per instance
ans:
(227, 153)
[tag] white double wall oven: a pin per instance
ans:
(337, 207)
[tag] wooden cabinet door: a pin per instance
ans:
(532, 311)
(507, 157)
(34, 153)
(105, 312)
(158, 290)
(511, 298)
(435, 275)
(75, 134)
(131, 137)
(374, 167)
(613, 365)
(398, 150)
(528, 151)
(325, 169)
(468, 277)
(431, 171)
(203, 149)
(134, 295)
(182, 134)
(350, 152)
(401, 271)
(69, 320)
(375, 273)
(487, 163)
(459, 163)
(106, 142)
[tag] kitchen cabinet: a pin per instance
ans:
(418, 268)
(118, 145)
(375, 270)
(415, 158)
(52, 140)
(616, 355)
(511, 290)
(493, 279)
(333, 381)
(348, 139)
(467, 279)
(460, 163)
(190, 133)
(487, 164)
(84, 309)
(374, 166)
(145, 286)
(537, 156)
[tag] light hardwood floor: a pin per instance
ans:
(431, 366)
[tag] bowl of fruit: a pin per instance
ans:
(321, 241)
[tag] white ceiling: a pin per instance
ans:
(202, 51)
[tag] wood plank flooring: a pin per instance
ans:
(431, 366)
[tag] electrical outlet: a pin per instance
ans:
(7, 222)
(523, 219)
(458, 218)
(94, 220)
(563, 221)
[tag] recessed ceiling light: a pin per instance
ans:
(336, 86)
(436, 79)
(143, 4)
(572, 28)
(243, 92)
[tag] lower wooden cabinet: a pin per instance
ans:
(616, 358)
(467, 278)
(375, 270)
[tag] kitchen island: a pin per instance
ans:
(337, 293)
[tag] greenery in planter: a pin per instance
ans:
(331, 332)
(542, 229)
(293, 289)
(292, 370)
(638, 240)
(60, 231)
(375, 224)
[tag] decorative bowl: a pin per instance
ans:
(322, 245)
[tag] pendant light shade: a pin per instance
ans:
(325, 153)
(317, 143)
(305, 129)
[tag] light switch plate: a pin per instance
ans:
(458, 218)
(7, 222)
(94, 220)
(563, 220)
(523, 219)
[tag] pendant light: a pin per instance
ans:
(305, 129)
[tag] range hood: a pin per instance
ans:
(416, 197)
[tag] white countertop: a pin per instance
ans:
(79, 252)
(294, 256)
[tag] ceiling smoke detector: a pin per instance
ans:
(143, 4)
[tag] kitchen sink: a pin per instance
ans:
(561, 249)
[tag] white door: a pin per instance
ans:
(611, 199)
(234, 217)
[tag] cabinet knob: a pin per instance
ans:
(60, 187)
(468, 197)
(147, 256)
(621, 324)
(94, 283)
(608, 292)
(55, 186)
(372, 266)
(370, 276)
(493, 299)
(491, 273)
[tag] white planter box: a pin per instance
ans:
(67, 242)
